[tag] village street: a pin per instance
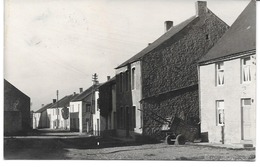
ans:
(72, 146)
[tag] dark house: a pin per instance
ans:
(107, 106)
(16, 110)
(161, 82)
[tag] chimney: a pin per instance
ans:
(53, 101)
(108, 78)
(80, 90)
(149, 44)
(168, 25)
(74, 93)
(42, 105)
(201, 8)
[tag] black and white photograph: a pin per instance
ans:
(153, 80)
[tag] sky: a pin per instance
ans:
(54, 45)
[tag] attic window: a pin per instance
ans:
(207, 36)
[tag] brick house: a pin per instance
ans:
(84, 111)
(227, 75)
(16, 110)
(107, 105)
(40, 117)
(163, 78)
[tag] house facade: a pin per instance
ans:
(40, 117)
(227, 76)
(84, 112)
(165, 76)
(107, 105)
(16, 110)
(58, 113)
(128, 97)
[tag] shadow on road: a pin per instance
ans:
(33, 147)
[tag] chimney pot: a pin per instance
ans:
(42, 105)
(53, 101)
(108, 78)
(80, 90)
(201, 8)
(74, 93)
(168, 25)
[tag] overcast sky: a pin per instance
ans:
(58, 44)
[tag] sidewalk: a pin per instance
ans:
(237, 146)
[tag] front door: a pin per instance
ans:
(246, 119)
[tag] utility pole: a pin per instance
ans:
(95, 82)
(57, 112)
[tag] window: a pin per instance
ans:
(127, 121)
(88, 107)
(72, 108)
(207, 36)
(133, 78)
(126, 80)
(120, 118)
(220, 113)
(220, 73)
(123, 119)
(246, 71)
(133, 117)
(121, 82)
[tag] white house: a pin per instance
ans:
(227, 84)
(84, 112)
(58, 113)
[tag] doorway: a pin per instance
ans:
(246, 119)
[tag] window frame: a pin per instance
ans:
(218, 72)
(133, 78)
(243, 66)
(219, 109)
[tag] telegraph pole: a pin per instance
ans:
(95, 81)
(57, 112)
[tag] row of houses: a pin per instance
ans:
(200, 72)
(76, 112)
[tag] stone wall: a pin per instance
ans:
(182, 104)
(170, 71)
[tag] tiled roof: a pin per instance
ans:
(170, 33)
(85, 93)
(64, 102)
(44, 108)
(241, 37)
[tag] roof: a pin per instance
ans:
(44, 108)
(169, 34)
(8, 85)
(111, 81)
(85, 93)
(241, 37)
(64, 102)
